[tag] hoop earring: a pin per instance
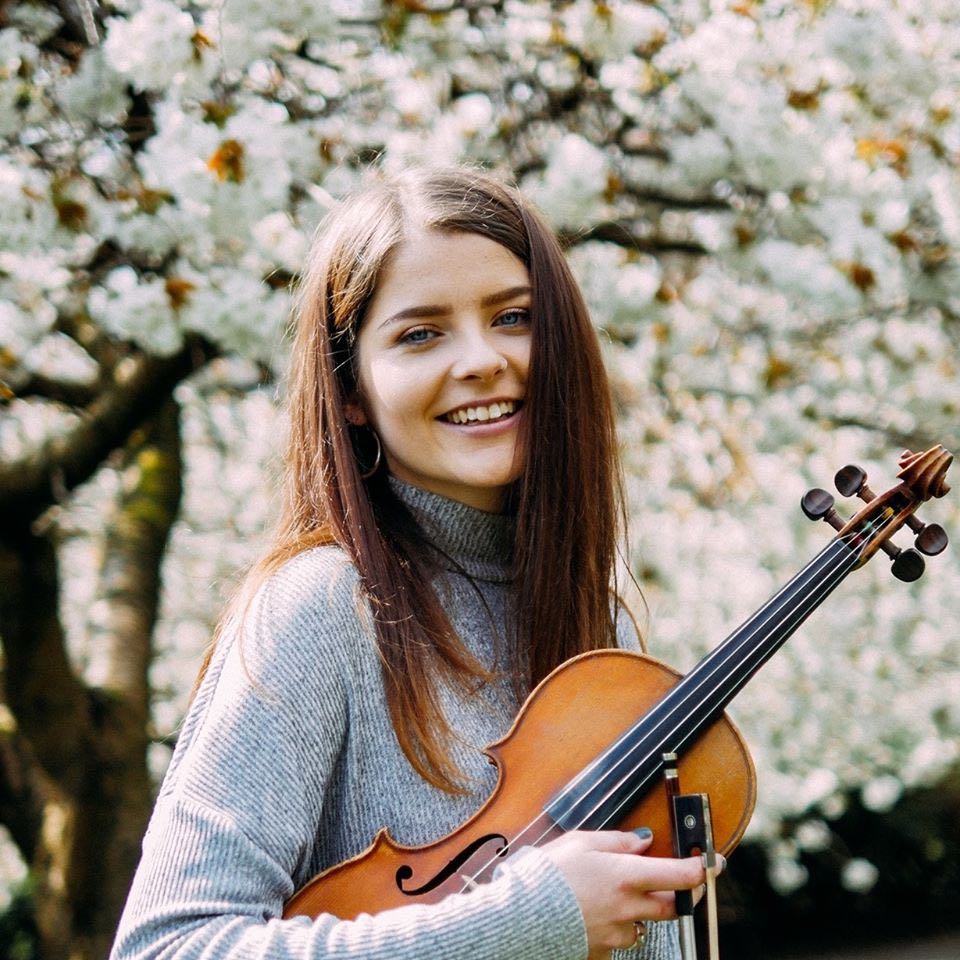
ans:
(376, 460)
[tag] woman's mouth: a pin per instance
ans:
(483, 413)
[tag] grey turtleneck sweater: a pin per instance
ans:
(287, 763)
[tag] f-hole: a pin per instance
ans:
(405, 872)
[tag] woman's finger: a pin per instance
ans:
(662, 873)
(611, 841)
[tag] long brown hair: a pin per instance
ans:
(568, 502)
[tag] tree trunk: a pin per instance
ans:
(50, 708)
(121, 796)
(91, 792)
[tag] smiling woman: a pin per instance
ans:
(448, 537)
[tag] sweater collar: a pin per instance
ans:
(467, 540)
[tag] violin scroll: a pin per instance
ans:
(925, 473)
(922, 477)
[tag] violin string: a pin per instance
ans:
(812, 600)
(568, 788)
(718, 657)
(851, 559)
(742, 671)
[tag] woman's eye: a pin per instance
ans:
(417, 335)
(517, 317)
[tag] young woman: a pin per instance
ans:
(448, 537)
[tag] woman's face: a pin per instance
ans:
(443, 354)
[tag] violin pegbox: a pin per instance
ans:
(922, 477)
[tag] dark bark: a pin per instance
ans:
(21, 791)
(45, 388)
(624, 234)
(74, 786)
(81, 24)
(46, 698)
(50, 708)
(116, 802)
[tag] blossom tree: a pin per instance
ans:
(760, 201)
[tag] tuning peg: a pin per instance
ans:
(817, 504)
(931, 537)
(851, 480)
(907, 565)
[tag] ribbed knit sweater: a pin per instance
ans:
(287, 763)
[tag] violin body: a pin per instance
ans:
(573, 715)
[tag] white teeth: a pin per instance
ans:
(492, 412)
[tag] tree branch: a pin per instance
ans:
(46, 388)
(140, 386)
(648, 195)
(623, 235)
(80, 21)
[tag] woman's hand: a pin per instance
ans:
(616, 885)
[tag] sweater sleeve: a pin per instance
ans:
(234, 823)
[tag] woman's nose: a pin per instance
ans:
(479, 357)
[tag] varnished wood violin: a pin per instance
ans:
(587, 748)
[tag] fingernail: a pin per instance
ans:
(722, 861)
(644, 833)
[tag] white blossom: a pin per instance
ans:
(238, 311)
(13, 871)
(786, 875)
(244, 30)
(859, 875)
(881, 793)
(943, 193)
(813, 836)
(59, 357)
(573, 182)
(19, 331)
(615, 286)
(280, 241)
(154, 47)
(138, 308)
(614, 29)
(806, 272)
(95, 92)
(700, 158)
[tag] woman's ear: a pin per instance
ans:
(354, 413)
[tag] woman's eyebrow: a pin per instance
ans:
(415, 313)
(438, 310)
(504, 295)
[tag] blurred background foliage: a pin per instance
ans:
(761, 202)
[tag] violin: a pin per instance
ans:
(586, 751)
